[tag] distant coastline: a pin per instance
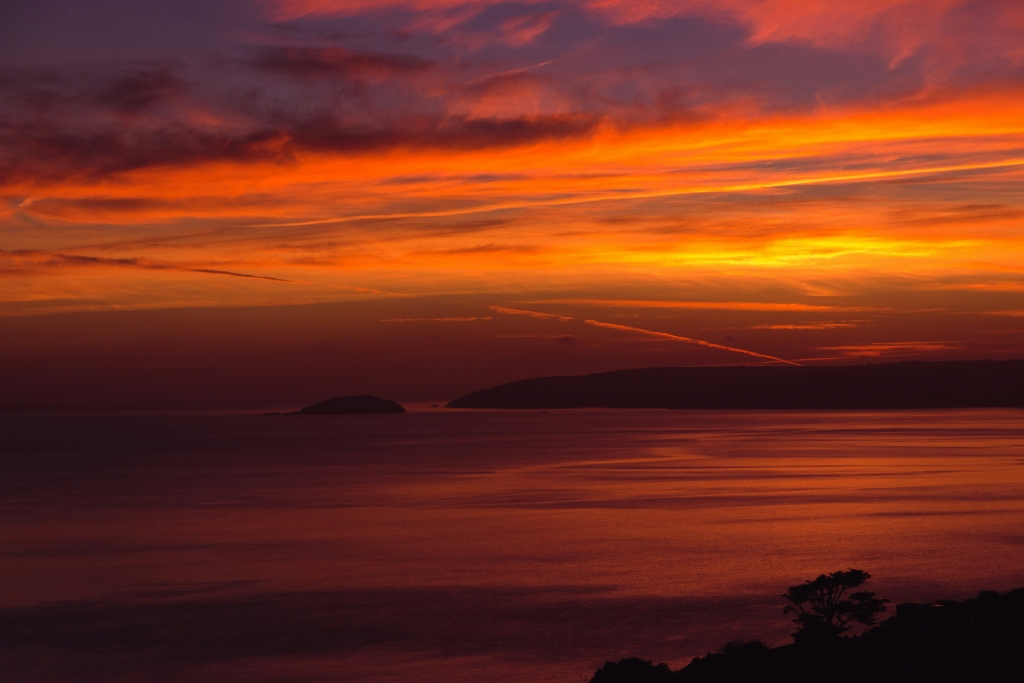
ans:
(905, 385)
(350, 405)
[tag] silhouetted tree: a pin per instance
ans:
(825, 608)
(633, 670)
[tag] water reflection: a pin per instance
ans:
(462, 546)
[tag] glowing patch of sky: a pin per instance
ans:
(751, 157)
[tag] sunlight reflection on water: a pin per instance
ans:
(450, 545)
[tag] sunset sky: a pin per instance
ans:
(288, 199)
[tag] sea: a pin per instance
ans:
(468, 546)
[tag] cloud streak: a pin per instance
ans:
(455, 319)
(702, 305)
(687, 340)
(881, 349)
(530, 314)
(808, 326)
(32, 259)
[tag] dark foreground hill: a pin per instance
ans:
(952, 384)
(981, 639)
(351, 405)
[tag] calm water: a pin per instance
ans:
(474, 546)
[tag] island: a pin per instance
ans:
(881, 386)
(350, 405)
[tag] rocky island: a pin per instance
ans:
(883, 386)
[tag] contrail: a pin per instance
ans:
(688, 340)
(531, 314)
(212, 271)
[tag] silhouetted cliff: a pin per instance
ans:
(975, 640)
(953, 384)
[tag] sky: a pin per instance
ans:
(263, 200)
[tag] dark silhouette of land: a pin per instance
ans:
(978, 639)
(350, 405)
(828, 607)
(912, 384)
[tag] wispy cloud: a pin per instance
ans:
(879, 349)
(36, 259)
(530, 314)
(703, 305)
(466, 319)
(806, 326)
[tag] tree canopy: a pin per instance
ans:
(826, 607)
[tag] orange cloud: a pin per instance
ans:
(467, 319)
(704, 305)
(810, 326)
(515, 180)
(879, 349)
